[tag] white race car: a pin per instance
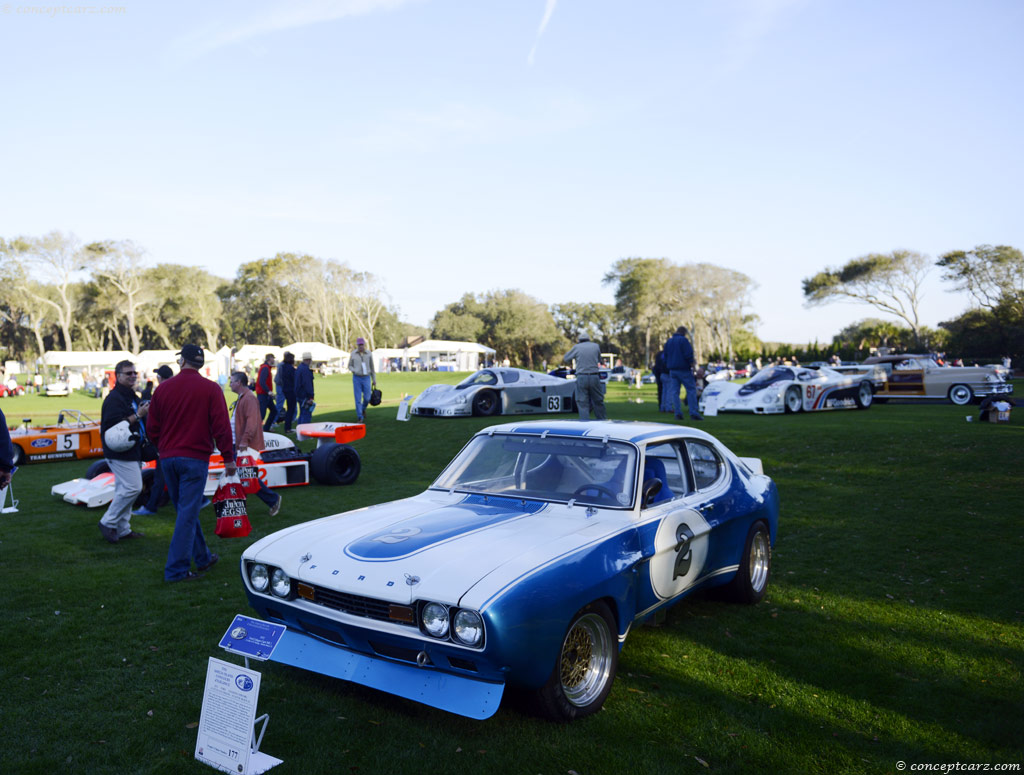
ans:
(779, 389)
(498, 391)
(280, 464)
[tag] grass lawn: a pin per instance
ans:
(891, 632)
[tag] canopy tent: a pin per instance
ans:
(322, 353)
(90, 360)
(435, 354)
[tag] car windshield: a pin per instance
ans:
(483, 377)
(766, 377)
(559, 469)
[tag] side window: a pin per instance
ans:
(664, 461)
(708, 467)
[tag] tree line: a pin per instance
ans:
(57, 293)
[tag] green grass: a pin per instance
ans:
(891, 631)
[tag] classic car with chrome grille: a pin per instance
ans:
(497, 391)
(527, 563)
(922, 377)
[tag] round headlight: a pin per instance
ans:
(259, 577)
(435, 619)
(280, 584)
(469, 627)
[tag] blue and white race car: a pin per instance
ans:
(498, 391)
(778, 389)
(526, 563)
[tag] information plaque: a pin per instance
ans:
(252, 638)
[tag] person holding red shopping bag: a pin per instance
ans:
(187, 414)
(249, 432)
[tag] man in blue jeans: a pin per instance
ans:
(679, 360)
(364, 378)
(187, 413)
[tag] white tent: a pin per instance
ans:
(435, 354)
(322, 353)
(90, 360)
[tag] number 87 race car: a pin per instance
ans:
(280, 464)
(526, 563)
(778, 389)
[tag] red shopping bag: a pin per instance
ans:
(229, 506)
(248, 472)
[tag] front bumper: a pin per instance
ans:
(456, 694)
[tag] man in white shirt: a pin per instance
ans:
(364, 378)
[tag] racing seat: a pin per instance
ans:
(655, 469)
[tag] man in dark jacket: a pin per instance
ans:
(679, 360)
(304, 388)
(7, 467)
(286, 385)
(124, 457)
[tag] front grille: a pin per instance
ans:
(356, 605)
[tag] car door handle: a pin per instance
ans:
(707, 508)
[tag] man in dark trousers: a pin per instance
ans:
(265, 392)
(679, 360)
(304, 388)
(121, 407)
(187, 414)
(7, 467)
(156, 491)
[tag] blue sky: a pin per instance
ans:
(454, 146)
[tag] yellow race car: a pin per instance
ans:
(74, 436)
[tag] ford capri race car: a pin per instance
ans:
(497, 391)
(778, 389)
(280, 464)
(526, 563)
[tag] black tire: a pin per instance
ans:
(486, 403)
(335, 464)
(961, 395)
(751, 581)
(585, 669)
(865, 395)
(793, 399)
(98, 467)
(19, 455)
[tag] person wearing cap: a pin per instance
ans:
(187, 415)
(364, 378)
(156, 491)
(122, 405)
(589, 387)
(304, 388)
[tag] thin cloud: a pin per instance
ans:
(274, 18)
(549, 9)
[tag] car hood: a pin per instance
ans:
(443, 395)
(435, 546)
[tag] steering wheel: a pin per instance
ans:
(599, 487)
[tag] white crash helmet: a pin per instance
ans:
(120, 438)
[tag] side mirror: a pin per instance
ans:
(650, 489)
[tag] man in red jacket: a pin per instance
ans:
(265, 391)
(187, 414)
